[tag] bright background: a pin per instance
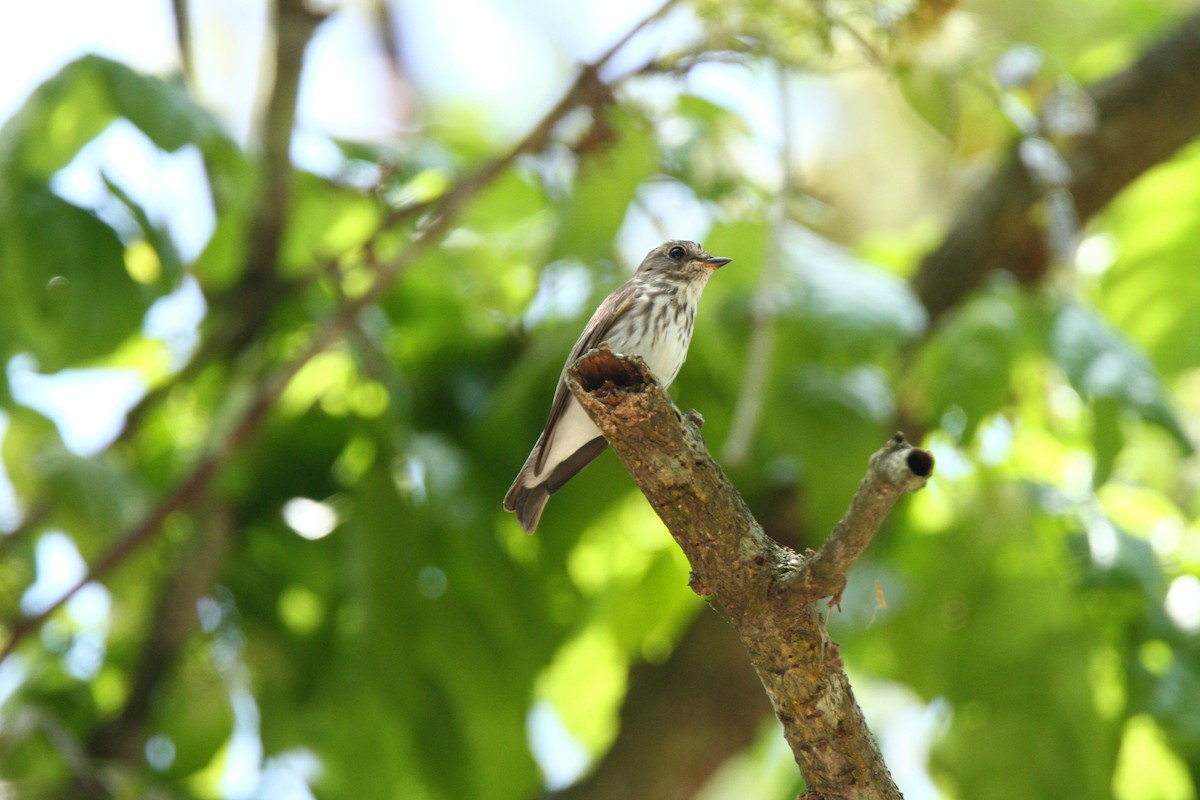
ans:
(345, 611)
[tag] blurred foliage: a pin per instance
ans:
(348, 608)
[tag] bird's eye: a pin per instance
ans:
(676, 252)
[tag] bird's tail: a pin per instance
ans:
(527, 501)
(525, 497)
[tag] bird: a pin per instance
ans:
(651, 315)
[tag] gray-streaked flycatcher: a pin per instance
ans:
(650, 316)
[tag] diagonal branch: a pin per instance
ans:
(238, 314)
(124, 735)
(1143, 115)
(895, 469)
(994, 232)
(768, 591)
(442, 215)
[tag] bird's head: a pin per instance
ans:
(681, 259)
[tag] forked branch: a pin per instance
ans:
(769, 592)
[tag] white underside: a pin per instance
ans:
(575, 429)
(664, 357)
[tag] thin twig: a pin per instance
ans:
(250, 303)
(238, 320)
(183, 37)
(757, 374)
(449, 206)
(584, 91)
(760, 584)
(894, 470)
(873, 56)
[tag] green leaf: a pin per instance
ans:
(1150, 292)
(73, 107)
(511, 198)
(1107, 438)
(89, 497)
(967, 362)
(61, 116)
(848, 310)
(1130, 564)
(701, 110)
(62, 273)
(324, 222)
(933, 95)
(605, 186)
(195, 712)
(1101, 364)
(81, 100)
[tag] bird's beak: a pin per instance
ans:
(715, 262)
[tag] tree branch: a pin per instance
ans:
(895, 469)
(707, 690)
(715, 705)
(443, 213)
(767, 590)
(995, 232)
(248, 305)
(294, 26)
(239, 313)
(123, 736)
(183, 37)
(1143, 115)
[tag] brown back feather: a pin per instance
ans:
(594, 333)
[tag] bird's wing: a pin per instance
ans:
(594, 333)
